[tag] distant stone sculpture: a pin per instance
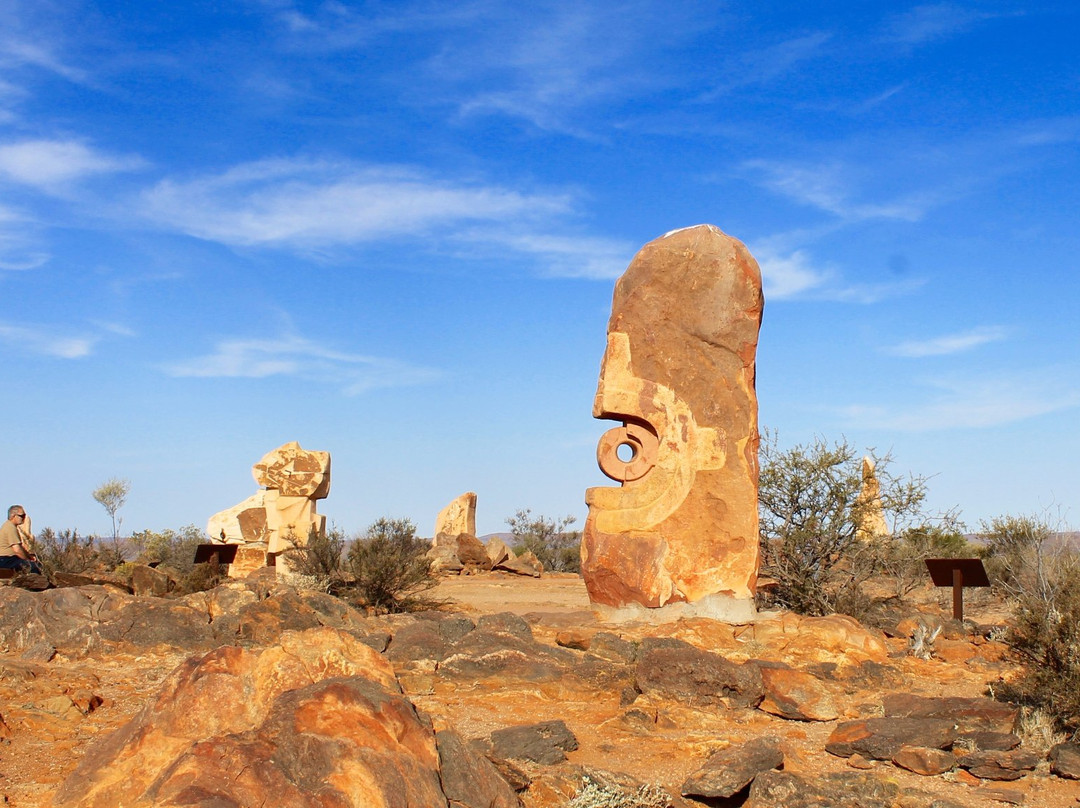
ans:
(458, 517)
(679, 373)
(283, 515)
(872, 524)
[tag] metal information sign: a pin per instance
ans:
(957, 573)
(225, 553)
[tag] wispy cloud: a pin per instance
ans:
(301, 358)
(17, 250)
(305, 204)
(16, 51)
(949, 343)
(559, 256)
(825, 187)
(931, 23)
(46, 341)
(51, 164)
(974, 403)
(767, 64)
(790, 275)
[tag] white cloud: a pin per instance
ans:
(825, 187)
(975, 403)
(304, 204)
(949, 343)
(46, 164)
(301, 358)
(43, 340)
(565, 256)
(787, 276)
(764, 65)
(931, 23)
(17, 250)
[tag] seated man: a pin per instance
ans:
(14, 555)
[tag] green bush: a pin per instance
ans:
(388, 569)
(174, 549)
(557, 548)
(812, 514)
(65, 551)
(1043, 584)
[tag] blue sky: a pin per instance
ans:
(391, 231)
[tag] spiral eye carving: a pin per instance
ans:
(627, 453)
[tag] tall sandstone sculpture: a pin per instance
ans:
(682, 530)
(871, 511)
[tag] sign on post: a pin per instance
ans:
(957, 573)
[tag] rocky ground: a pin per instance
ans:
(516, 693)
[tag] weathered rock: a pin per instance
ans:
(445, 559)
(608, 646)
(267, 727)
(675, 669)
(526, 564)
(545, 743)
(469, 779)
(1010, 796)
(924, 761)
(1001, 741)
(1065, 760)
(678, 371)
(835, 638)
(730, 770)
(796, 695)
(458, 517)
(469, 549)
(497, 551)
(150, 582)
(774, 789)
(993, 765)
(969, 714)
(39, 652)
(882, 738)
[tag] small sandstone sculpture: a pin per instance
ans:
(283, 515)
(872, 524)
(679, 374)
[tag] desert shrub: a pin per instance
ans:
(557, 548)
(903, 564)
(1043, 584)
(388, 569)
(593, 794)
(320, 560)
(200, 578)
(65, 551)
(169, 548)
(812, 515)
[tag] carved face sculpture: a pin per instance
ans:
(678, 372)
(295, 472)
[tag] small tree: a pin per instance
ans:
(111, 496)
(811, 518)
(391, 567)
(557, 548)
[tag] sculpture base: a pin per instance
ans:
(249, 557)
(724, 608)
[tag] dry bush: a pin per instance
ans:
(174, 549)
(1043, 585)
(65, 551)
(557, 548)
(811, 518)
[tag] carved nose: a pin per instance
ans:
(643, 445)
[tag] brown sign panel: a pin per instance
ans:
(972, 571)
(225, 553)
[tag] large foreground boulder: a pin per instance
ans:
(317, 720)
